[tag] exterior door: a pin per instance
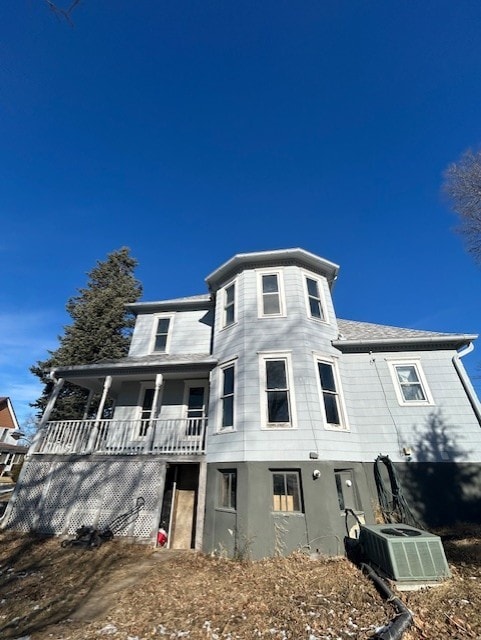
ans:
(195, 408)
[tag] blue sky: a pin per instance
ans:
(191, 131)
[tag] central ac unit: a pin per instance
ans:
(404, 553)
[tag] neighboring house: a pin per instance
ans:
(249, 418)
(11, 453)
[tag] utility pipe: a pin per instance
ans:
(465, 381)
(401, 623)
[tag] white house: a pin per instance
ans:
(248, 419)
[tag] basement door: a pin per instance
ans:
(179, 506)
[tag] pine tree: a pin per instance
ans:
(100, 330)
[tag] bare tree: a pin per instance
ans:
(462, 185)
(63, 14)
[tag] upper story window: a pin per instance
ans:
(331, 397)
(315, 304)
(162, 334)
(271, 298)
(227, 397)
(410, 383)
(229, 305)
(277, 393)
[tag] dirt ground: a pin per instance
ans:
(133, 592)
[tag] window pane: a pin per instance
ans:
(293, 490)
(277, 406)
(326, 374)
(229, 294)
(229, 315)
(332, 411)
(312, 288)
(276, 374)
(315, 308)
(160, 342)
(228, 381)
(228, 412)
(269, 284)
(407, 374)
(412, 392)
(228, 489)
(286, 491)
(272, 305)
(196, 398)
(163, 326)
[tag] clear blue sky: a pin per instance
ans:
(191, 131)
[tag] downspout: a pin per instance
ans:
(466, 382)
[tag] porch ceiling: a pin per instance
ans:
(138, 369)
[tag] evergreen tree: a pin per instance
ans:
(100, 330)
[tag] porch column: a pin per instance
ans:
(98, 418)
(37, 438)
(200, 516)
(159, 381)
(107, 385)
(87, 406)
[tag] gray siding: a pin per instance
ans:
(191, 332)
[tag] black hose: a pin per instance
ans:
(401, 623)
(393, 504)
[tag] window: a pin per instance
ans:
(228, 490)
(410, 384)
(227, 397)
(286, 491)
(161, 335)
(277, 404)
(314, 299)
(229, 305)
(270, 295)
(331, 400)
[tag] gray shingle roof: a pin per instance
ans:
(352, 332)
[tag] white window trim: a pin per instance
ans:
(281, 426)
(344, 426)
(260, 298)
(223, 324)
(320, 285)
(416, 363)
(157, 317)
(226, 365)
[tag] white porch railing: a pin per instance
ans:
(176, 436)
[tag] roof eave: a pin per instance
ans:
(452, 341)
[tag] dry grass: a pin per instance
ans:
(131, 592)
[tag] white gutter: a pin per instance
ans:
(466, 382)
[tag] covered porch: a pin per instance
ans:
(158, 406)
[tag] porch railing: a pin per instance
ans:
(176, 436)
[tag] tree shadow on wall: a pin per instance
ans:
(443, 488)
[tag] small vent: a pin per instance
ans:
(404, 553)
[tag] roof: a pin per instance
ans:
(188, 303)
(355, 335)
(139, 364)
(275, 258)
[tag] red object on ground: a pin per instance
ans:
(161, 537)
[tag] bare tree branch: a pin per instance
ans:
(63, 13)
(462, 185)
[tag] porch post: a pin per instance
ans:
(95, 428)
(107, 385)
(87, 406)
(58, 384)
(159, 380)
(200, 516)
